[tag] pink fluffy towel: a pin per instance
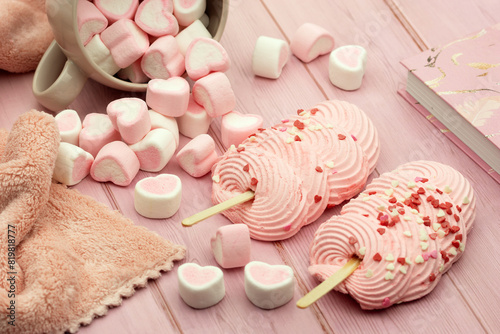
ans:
(64, 258)
(25, 34)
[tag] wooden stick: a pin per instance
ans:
(331, 282)
(196, 218)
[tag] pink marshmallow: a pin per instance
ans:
(215, 94)
(69, 125)
(162, 59)
(168, 97)
(187, 12)
(97, 131)
(133, 73)
(155, 17)
(115, 162)
(158, 197)
(155, 150)
(195, 121)
(198, 156)
(90, 21)
(72, 164)
(130, 117)
(100, 54)
(115, 10)
(126, 42)
(311, 41)
(205, 55)
(236, 127)
(159, 121)
(231, 245)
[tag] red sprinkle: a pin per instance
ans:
(443, 206)
(377, 257)
(252, 135)
(313, 111)
(261, 129)
(439, 191)
(240, 149)
(317, 198)
(433, 236)
(341, 136)
(366, 215)
(319, 169)
(454, 229)
(300, 111)
(459, 208)
(393, 200)
(401, 260)
(435, 203)
(352, 240)
(246, 168)
(415, 195)
(297, 138)
(448, 205)
(421, 190)
(441, 220)
(455, 243)
(430, 198)
(445, 225)
(384, 223)
(423, 180)
(458, 237)
(254, 181)
(449, 212)
(372, 193)
(381, 231)
(298, 124)
(401, 211)
(432, 277)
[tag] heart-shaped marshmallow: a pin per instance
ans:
(69, 125)
(115, 10)
(72, 164)
(269, 57)
(347, 66)
(215, 94)
(311, 41)
(155, 150)
(168, 97)
(97, 131)
(189, 11)
(205, 55)
(268, 286)
(231, 245)
(130, 117)
(155, 17)
(237, 127)
(191, 32)
(158, 197)
(90, 21)
(162, 60)
(200, 287)
(195, 121)
(159, 121)
(115, 162)
(198, 156)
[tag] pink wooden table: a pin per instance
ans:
(467, 300)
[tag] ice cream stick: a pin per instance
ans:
(331, 282)
(238, 199)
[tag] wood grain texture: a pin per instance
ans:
(467, 298)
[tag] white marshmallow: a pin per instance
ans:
(115, 10)
(198, 156)
(186, 36)
(195, 121)
(72, 164)
(130, 117)
(90, 20)
(155, 17)
(268, 286)
(158, 197)
(159, 121)
(205, 55)
(347, 66)
(231, 245)
(200, 287)
(168, 97)
(101, 55)
(269, 57)
(187, 12)
(69, 125)
(311, 41)
(155, 150)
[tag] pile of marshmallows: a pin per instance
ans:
(346, 65)
(146, 40)
(266, 286)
